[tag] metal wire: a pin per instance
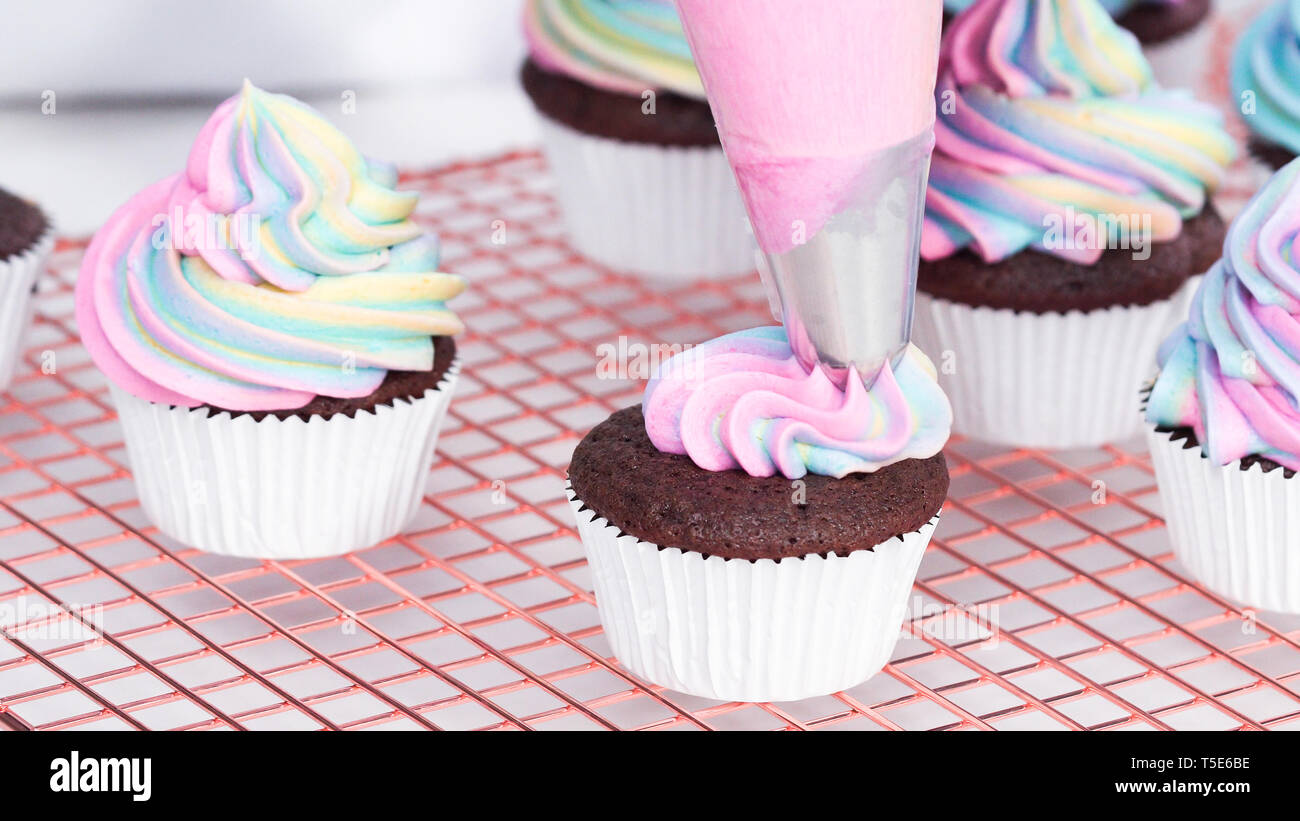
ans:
(481, 616)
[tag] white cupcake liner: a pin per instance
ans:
(737, 630)
(282, 488)
(17, 276)
(1050, 380)
(660, 211)
(1182, 61)
(1237, 531)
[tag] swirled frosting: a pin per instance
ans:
(1047, 110)
(744, 401)
(619, 45)
(1266, 66)
(1232, 371)
(279, 266)
(1114, 7)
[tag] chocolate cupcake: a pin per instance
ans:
(275, 336)
(640, 176)
(25, 241)
(1174, 33)
(755, 534)
(1222, 418)
(1265, 87)
(1067, 213)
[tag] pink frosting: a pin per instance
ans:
(801, 124)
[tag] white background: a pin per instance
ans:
(135, 79)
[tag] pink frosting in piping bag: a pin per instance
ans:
(799, 126)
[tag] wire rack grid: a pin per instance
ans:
(1048, 599)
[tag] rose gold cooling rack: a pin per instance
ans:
(1048, 599)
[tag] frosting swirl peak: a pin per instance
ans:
(279, 266)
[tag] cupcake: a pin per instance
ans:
(1222, 418)
(275, 337)
(640, 176)
(1066, 212)
(1265, 85)
(753, 530)
(1173, 33)
(754, 527)
(25, 241)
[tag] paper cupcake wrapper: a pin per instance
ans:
(1236, 531)
(282, 488)
(17, 276)
(1182, 61)
(659, 211)
(736, 630)
(1049, 380)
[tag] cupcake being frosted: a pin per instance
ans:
(747, 485)
(640, 176)
(269, 311)
(1068, 203)
(754, 527)
(1266, 82)
(1223, 418)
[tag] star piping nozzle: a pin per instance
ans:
(826, 111)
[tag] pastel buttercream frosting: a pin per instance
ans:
(1232, 371)
(1113, 7)
(1048, 111)
(627, 46)
(744, 401)
(807, 96)
(1266, 74)
(278, 266)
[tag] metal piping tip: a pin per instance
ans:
(846, 295)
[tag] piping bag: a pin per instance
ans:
(826, 113)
